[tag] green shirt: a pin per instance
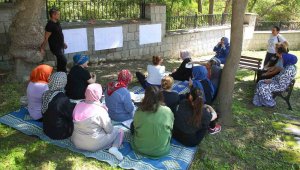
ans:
(153, 132)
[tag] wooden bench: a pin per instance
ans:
(285, 95)
(250, 63)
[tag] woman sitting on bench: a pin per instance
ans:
(274, 66)
(263, 94)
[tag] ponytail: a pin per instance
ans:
(196, 103)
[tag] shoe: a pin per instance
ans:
(215, 130)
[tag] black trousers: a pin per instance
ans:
(268, 57)
(61, 61)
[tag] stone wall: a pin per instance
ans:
(260, 40)
(198, 41)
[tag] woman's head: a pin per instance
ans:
(153, 98)
(157, 60)
(225, 41)
(281, 48)
(196, 102)
(125, 77)
(199, 72)
(57, 81)
(275, 30)
(41, 74)
(93, 92)
(81, 60)
(167, 82)
(184, 54)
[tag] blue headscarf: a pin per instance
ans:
(289, 59)
(80, 59)
(200, 74)
(226, 41)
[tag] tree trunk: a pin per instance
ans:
(225, 13)
(225, 94)
(199, 6)
(26, 33)
(211, 12)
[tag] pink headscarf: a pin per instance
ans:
(91, 106)
(124, 78)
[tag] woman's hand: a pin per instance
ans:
(190, 82)
(268, 81)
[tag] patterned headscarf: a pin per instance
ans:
(289, 59)
(185, 54)
(124, 78)
(57, 83)
(41, 74)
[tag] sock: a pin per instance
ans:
(114, 151)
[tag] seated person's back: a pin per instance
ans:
(152, 126)
(37, 86)
(171, 98)
(57, 109)
(79, 78)
(118, 99)
(183, 73)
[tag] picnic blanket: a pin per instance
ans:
(180, 157)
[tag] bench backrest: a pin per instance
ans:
(250, 63)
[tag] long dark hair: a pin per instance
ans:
(196, 102)
(153, 98)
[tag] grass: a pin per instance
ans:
(257, 141)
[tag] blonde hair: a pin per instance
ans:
(167, 82)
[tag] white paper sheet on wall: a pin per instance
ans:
(76, 39)
(150, 34)
(108, 38)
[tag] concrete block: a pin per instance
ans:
(118, 55)
(157, 49)
(146, 51)
(163, 10)
(132, 44)
(125, 29)
(157, 9)
(136, 36)
(134, 52)
(130, 36)
(125, 54)
(132, 28)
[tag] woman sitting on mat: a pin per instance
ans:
(193, 119)
(201, 81)
(155, 73)
(264, 90)
(92, 126)
(182, 73)
(79, 78)
(57, 109)
(37, 86)
(214, 71)
(152, 125)
(118, 99)
(171, 98)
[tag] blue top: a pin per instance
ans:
(222, 52)
(119, 104)
(201, 81)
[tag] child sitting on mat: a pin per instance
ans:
(155, 73)
(92, 126)
(171, 98)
